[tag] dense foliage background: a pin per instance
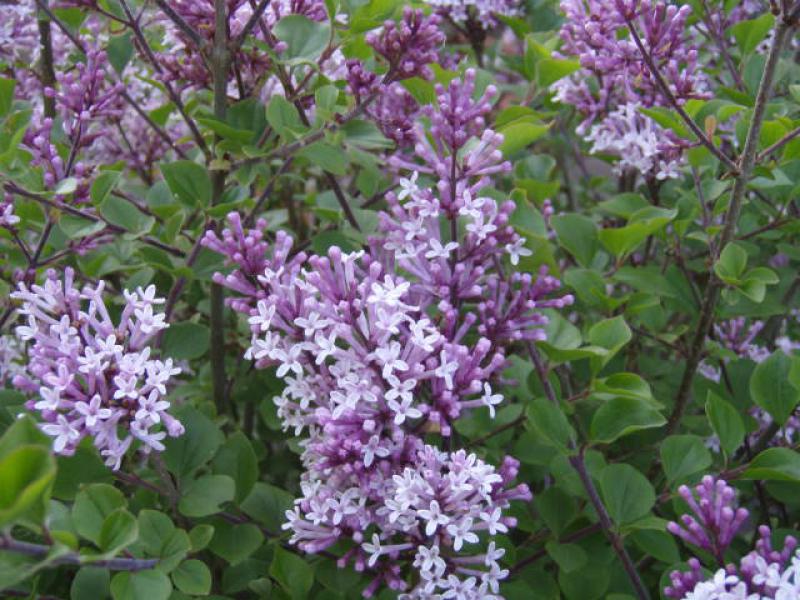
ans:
(456, 299)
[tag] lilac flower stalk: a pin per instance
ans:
(715, 520)
(382, 346)
(93, 377)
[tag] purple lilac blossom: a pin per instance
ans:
(410, 46)
(736, 337)
(483, 13)
(714, 521)
(377, 349)
(763, 574)
(614, 84)
(92, 377)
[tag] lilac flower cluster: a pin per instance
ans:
(614, 83)
(92, 377)
(739, 339)
(715, 521)
(382, 346)
(763, 574)
(86, 100)
(410, 46)
(11, 358)
(481, 13)
(735, 336)
(8, 219)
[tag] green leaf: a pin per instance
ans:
(123, 214)
(731, 264)
(557, 509)
(284, 118)
(267, 504)
(643, 223)
(775, 464)
(771, 388)
(195, 447)
(204, 496)
(90, 583)
(326, 156)
(726, 423)
(519, 134)
(611, 334)
(103, 185)
(568, 557)
(749, 34)
(186, 341)
(684, 455)
(578, 235)
(200, 536)
(551, 423)
(305, 39)
(293, 573)
(550, 70)
(92, 505)
(658, 544)
(6, 95)
(154, 528)
(26, 479)
(192, 577)
(237, 459)
(142, 585)
(236, 543)
(189, 182)
(23, 431)
(628, 495)
(120, 51)
(365, 135)
(119, 530)
(66, 186)
(622, 416)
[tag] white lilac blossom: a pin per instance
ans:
(91, 376)
(766, 573)
(382, 346)
(614, 84)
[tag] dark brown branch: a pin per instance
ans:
(181, 24)
(714, 287)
